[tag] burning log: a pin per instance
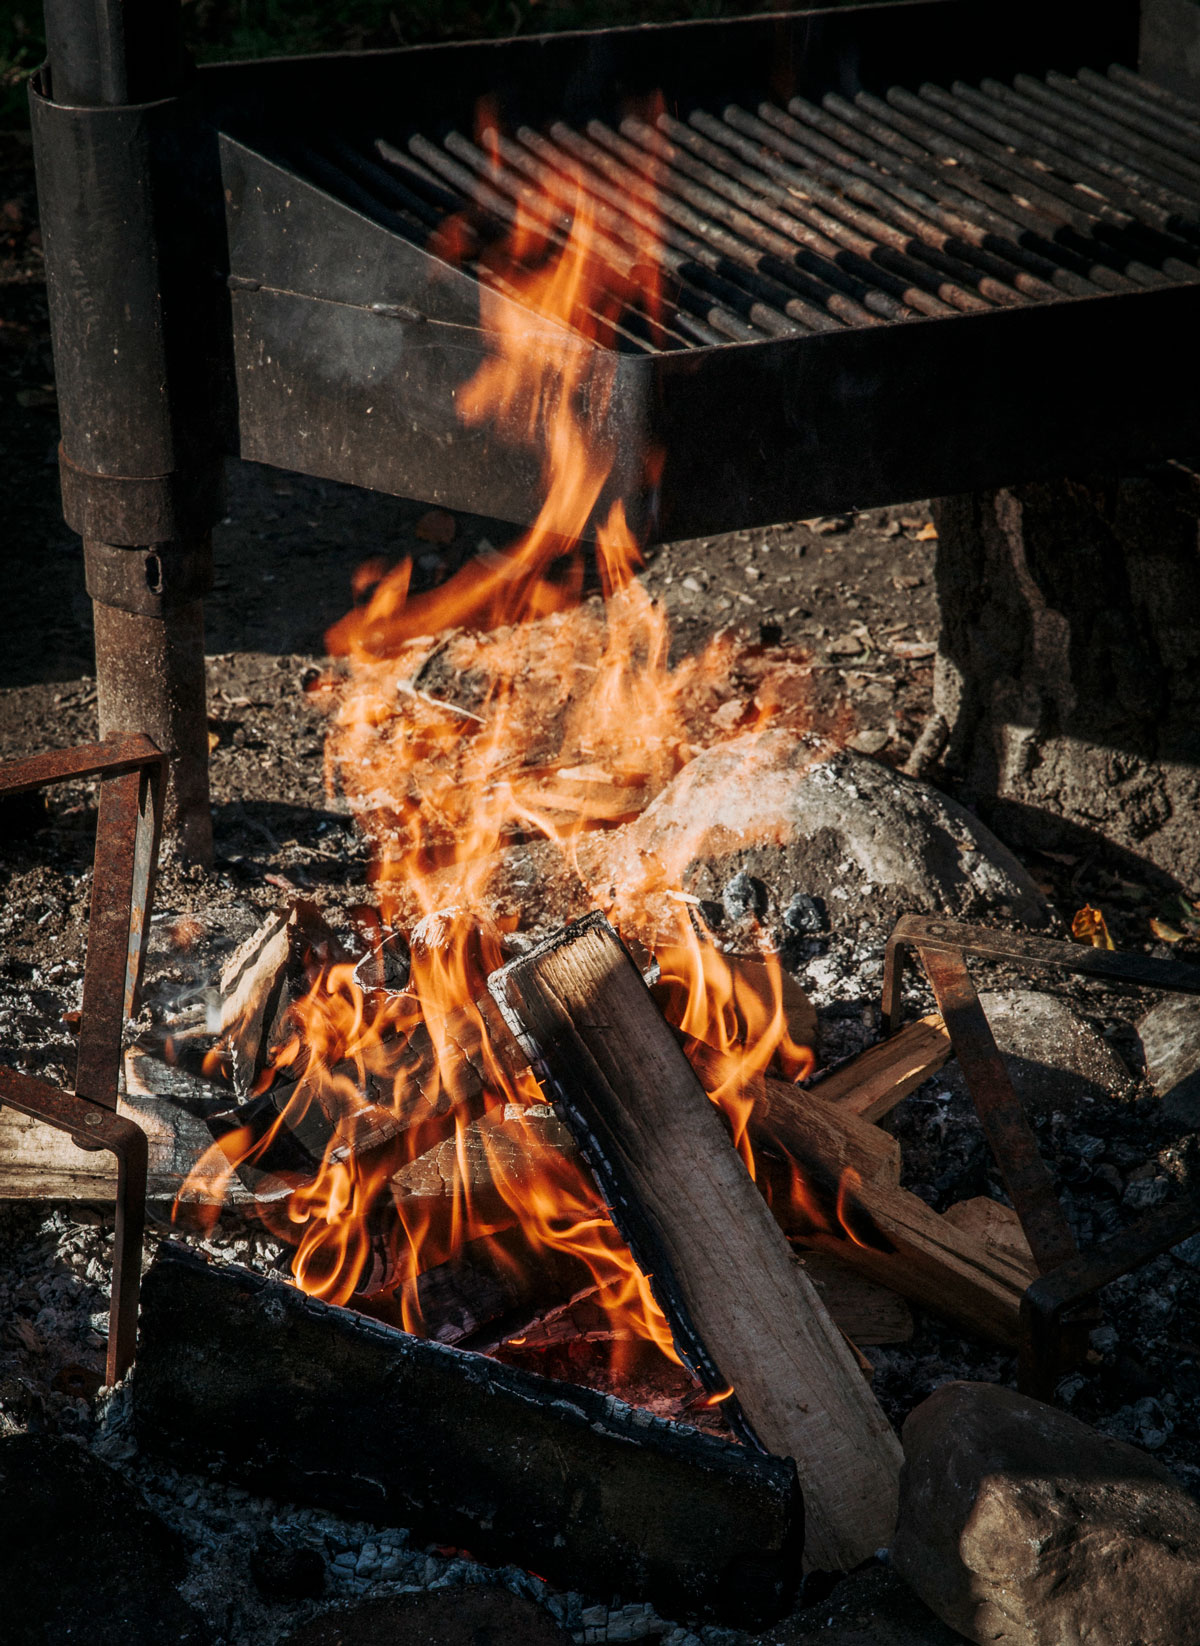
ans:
(312, 1403)
(261, 980)
(742, 1313)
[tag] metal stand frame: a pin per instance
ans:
(1053, 1310)
(131, 772)
(114, 136)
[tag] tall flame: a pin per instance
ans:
(578, 718)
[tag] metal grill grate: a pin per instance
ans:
(787, 222)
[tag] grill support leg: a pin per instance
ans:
(119, 152)
(150, 678)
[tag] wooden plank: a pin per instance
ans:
(309, 1403)
(871, 1084)
(903, 1244)
(741, 1310)
(997, 1225)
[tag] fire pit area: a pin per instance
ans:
(661, 1099)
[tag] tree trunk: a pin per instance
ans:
(1068, 669)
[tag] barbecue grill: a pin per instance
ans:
(907, 250)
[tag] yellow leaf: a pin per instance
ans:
(1089, 926)
(1165, 933)
(927, 533)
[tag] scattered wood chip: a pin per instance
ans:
(912, 651)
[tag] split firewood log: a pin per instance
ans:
(741, 1311)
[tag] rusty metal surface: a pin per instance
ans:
(131, 788)
(1026, 1176)
(87, 760)
(1047, 1304)
(932, 934)
(1059, 1306)
(94, 1126)
(110, 924)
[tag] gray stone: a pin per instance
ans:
(1021, 1526)
(864, 839)
(1053, 1057)
(1170, 1035)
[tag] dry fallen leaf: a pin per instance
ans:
(1165, 933)
(1089, 926)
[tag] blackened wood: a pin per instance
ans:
(315, 1404)
(741, 1311)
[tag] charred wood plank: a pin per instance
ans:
(316, 1404)
(743, 1314)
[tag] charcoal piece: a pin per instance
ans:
(286, 1571)
(456, 1617)
(806, 915)
(744, 895)
(302, 1401)
(81, 1555)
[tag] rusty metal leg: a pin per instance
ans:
(150, 678)
(1026, 1175)
(131, 786)
(127, 1253)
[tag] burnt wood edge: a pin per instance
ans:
(631, 1220)
(245, 1375)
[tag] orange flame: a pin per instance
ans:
(577, 718)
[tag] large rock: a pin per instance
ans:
(1170, 1036)
(1054, 1059)
(82, 1558)
(865, 839)
(1021, 1526)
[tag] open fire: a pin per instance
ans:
(578, 719)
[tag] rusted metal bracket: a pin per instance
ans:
(1058, 1306)
(131, 772)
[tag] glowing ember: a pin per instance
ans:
(560, 716)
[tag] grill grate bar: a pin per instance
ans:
(508, 165)
(477, 191)
(996, 241)
(765, 224)
(1097, 227)
(1173, 131)
(808, 275)
(637, 222)
(780, 176)
(1098, 160)
(1103, 116)
(1002, 213)
(769, 223)
(712, 214)
(1160, 232)
(1110, 185)
(697, 257)
(1151, 92)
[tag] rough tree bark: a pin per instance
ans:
(1068, 671)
